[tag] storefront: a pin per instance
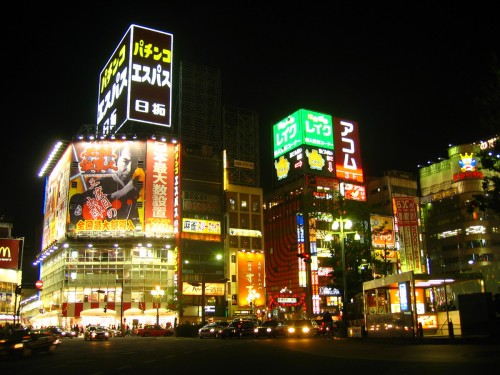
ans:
(409, 305)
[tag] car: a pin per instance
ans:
(238, 329)
(211, 329)
(271, 328)
(69, 333)
(303, 328)
(153, 330)
(56, 331)
(26, 342)
(96, 333)
(117, 333)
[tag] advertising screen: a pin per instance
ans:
(136, 83)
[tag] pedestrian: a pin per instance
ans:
(328, 322)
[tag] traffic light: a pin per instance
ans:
(18, 289)
(105, 308)
(306, 257)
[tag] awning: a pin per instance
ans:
(161, 312)
(133, 312)
(98, 312)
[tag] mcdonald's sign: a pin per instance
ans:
(9, 253)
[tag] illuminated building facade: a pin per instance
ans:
(459, 239)
(316, 158)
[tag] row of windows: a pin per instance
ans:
(246, 202)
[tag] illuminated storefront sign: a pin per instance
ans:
(303, 127)
(136, 83)
(244, 232)
(347, 150)
(251, 279)
(353, 192)
(468, 168)
(201, 226)
(9, 253)
(160, 184)
(382, 231)
(211, 289)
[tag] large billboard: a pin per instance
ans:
(406, 223)
(136, 83)
(123, 188)
(251, 279)
(55, 206)
(303, 127)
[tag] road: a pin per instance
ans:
(178, 355)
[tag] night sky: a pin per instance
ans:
(410, 75)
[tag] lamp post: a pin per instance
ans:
(339, 227)
(252, 297)
(157, 293)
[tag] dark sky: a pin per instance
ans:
(408, 74)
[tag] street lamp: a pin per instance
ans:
(341, 227)
(157, 293)
(252, 297)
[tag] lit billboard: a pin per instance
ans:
(303, 127)
(347, 150)
(251, 279)
(9, 253)
(136, 83)
(406, 222)
(162, 189)
(123, 188)
(55, 205)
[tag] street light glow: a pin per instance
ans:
(339, 227)
(157, 293)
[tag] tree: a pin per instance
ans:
(489, 107)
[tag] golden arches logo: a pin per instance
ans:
(5, 252)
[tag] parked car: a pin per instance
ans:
(24, 342)
(153, 330)
(271, 328)
(96, 333)
(238, 329)
(211, 329)
(303, 328)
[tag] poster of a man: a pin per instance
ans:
(112, 187)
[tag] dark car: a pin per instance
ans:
(303, 328)
(69, 333)
(238, 329)
(271, 328)
(24, 342)
(211, 329)
(96, 333)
